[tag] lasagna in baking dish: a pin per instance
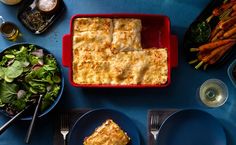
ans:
(109, 133)
(109, 51)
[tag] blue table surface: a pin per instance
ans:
(133, 102)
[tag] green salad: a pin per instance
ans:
(25, 73)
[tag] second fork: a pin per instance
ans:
(64, 128)
(154, 125)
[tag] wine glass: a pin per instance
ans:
(213, 93)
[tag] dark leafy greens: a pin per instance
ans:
(25, 73)
(200, 32)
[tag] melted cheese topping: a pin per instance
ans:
(92, 24)
(91, 72)
(91, 55)
(140, 67)
(126, 41)
(92, 40)
(127, 24)
(135, 67)
(109, 133)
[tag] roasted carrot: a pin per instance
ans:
(201, 55)
(219, 55)
(233, 37)
(234, 7)
(220, 10)
(227, 5)
(233, 14)
(228, 23)
(230, 32)
(214, 53)
(215, 31)
(224, 7)
(218, 36)
(212, 45)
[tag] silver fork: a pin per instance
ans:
(154, 124)
(64, 126)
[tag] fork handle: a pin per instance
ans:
(65, 141)
(28, 135)
(10, 122)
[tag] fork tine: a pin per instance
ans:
(64, 120)
(154, 121)
(151, 122)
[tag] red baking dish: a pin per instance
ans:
(155, 33)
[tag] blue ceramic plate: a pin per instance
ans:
(191, 127)
(86, 125)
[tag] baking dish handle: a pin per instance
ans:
(66, 50)
(174, 51)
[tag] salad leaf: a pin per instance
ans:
(50, 96)
(7, 91)
(3, 61)
(34, 59)
(56, 79)
(2, 72)
(1, 104)
(32, 48)
(50, 62)
(49, 67)
(14, 70)
(45, 104)
(19, 104)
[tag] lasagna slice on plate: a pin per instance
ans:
(109, 133)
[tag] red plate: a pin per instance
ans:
(155, 33)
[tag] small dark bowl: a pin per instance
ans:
(232, 72)
(29, 117)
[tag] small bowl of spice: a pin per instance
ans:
(48, 6)
(232, 72)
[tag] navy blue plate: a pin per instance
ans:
(87, 123)
(191, 127)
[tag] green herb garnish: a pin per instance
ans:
(200, 32)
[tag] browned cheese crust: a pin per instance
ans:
(109, 133)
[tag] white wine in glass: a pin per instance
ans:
(213, 93)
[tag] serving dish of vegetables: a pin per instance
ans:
(26, 72)
(210, 40)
